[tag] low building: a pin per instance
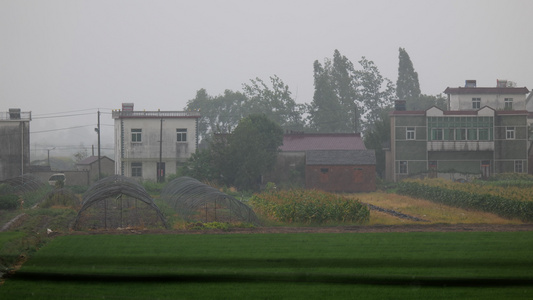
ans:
(292, 165)
(151, 144)
(90, 165)
(345, 171)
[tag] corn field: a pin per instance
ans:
(512, 202)
(309, 207)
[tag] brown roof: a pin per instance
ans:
(340, 157)
(324, 141)
(91, 159)
(486, 90)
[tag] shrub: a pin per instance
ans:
(309, 206)
(9, 202)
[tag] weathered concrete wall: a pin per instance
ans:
(14, 148)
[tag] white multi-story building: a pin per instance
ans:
(151, 144)
(504, 96)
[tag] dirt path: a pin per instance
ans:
(338, 229)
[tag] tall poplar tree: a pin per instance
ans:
(407, 86)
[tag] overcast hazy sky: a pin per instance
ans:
(65, 56)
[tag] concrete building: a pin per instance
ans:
(90, 165)
(15, 145)
(485, 132)
(151, 144)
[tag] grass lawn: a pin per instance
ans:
(420, 265)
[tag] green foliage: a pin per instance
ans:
(416, 265)
(201, 166)
(9, 201)
(407, 86)
(375, 138)
(511, 176)
(222, 113)
(61, 199)
(424, 102)
(5, 189)
(346, 99)
(275, 102)
(508, 208)
(153, 187)
(78, 189)
(209, 225)
(309, 207)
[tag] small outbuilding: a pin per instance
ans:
(341, 170)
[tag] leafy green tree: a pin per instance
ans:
(218, 114)
(378, 138)
(426, 101)
(275, 102)
(325, 109)
(200, 166)
(252, 150)
(346, 99)
(407, 86)
(333, 106)
(374, 92)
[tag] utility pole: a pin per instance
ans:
(98, 132)
(159, 169)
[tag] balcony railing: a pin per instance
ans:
(155, 114)
(15, 116)
(460, 146)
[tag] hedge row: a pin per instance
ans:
(507, 208)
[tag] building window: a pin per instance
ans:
(436, 134)
(136, 169)
(509, 133)
(410, 133)
(476, 103)
(181, 134)
(518, 166)
(484, 134)
(460, 134)
(136, 135)
(508, 103)
(403, 167)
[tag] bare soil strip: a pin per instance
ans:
(336, 229)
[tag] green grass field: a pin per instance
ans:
(420, 265)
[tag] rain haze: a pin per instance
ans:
(65, 60)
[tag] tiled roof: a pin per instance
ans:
(332, 141)
(486, 90)
(340, 157)
(89, 160)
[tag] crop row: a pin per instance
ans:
(513, 190)
(309, 206)
(475, 199)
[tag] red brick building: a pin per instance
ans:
(292, 166)
(341, 170)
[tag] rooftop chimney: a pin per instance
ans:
(14, 113)
(400, 105)
(127, 106)
(470, 83)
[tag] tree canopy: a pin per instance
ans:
(407, 86)
(346, 99)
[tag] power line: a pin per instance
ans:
(58, 129)
(72, 111)
(62, 116)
